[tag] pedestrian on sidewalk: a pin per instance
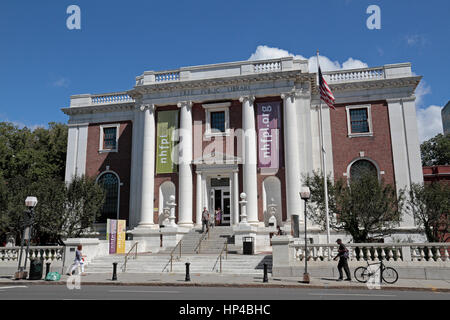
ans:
(205, 219)
(78, 263)
(343, 261)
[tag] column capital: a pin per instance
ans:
(187, 104)
(145, 107)
(249, 98)
(289, 95)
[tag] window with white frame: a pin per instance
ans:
(359, 121)
(217, 119)
(109, 138)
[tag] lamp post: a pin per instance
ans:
(30, 203)
(305, 194)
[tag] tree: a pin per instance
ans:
(430, 204)
(365, 207)
(436, 151)
(84, 202)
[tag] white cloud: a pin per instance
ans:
(61, 82)
(422, 90)
(265, 52)
(416, 40)
(429, 122)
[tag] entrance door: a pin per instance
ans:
(220, 198)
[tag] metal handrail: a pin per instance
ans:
(179, 244)
(124, 266)
(219, 258)
(199, 244)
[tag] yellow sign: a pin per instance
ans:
(121, 236)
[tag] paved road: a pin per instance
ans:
(91, 292)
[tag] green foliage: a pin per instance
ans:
(365, 207)
(33, 163)
(430, 204)
(436, 151)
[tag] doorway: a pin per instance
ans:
(220, 198)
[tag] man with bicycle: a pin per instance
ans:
(343, 261)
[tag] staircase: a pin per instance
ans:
(199, 263)
(206, 261)
(212, 244)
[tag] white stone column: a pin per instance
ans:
(148, 167)
(291, 158)
(199, 198)
(405, 149)
(250, 158)
(185, 171)
(235, 189)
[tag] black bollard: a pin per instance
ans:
(114, 277)
(265, 279)
(47, 268)
(188, 276)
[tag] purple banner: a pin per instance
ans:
(268, 125)
(112, 236)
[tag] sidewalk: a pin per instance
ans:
(227, 280)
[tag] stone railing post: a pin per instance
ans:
(282, 254)
(406, 253)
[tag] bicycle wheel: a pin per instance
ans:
(390, 275)
(362, 274)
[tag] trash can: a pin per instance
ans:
(36, 269)
(248, 246)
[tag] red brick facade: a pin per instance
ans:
(376, 148)
(118, 162)
(346, 149)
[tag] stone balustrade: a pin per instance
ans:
(46, 253)
(355, 75)
(111, 98)
(167, 76)
(241, 68)
(375, 252)
(267, 67)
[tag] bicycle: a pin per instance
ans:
(388, 274)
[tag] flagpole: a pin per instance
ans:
(324, 164)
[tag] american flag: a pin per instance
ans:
(325, 92)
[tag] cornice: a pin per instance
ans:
(295, 75)
(99, 109)
(373, 84)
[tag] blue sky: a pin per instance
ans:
(42, 63)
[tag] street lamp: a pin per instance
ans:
(305, 194)
(30, 203)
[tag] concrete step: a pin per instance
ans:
(234, 264)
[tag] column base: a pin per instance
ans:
(172, 235)
(148, 236)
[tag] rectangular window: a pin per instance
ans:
(109, 138)
(218, 121)
(359, 120)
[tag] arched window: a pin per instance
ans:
(110, 182)
(361, 167)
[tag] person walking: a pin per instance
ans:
(205, 219)
(343, 261)
(78, 262)
(218, 216)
